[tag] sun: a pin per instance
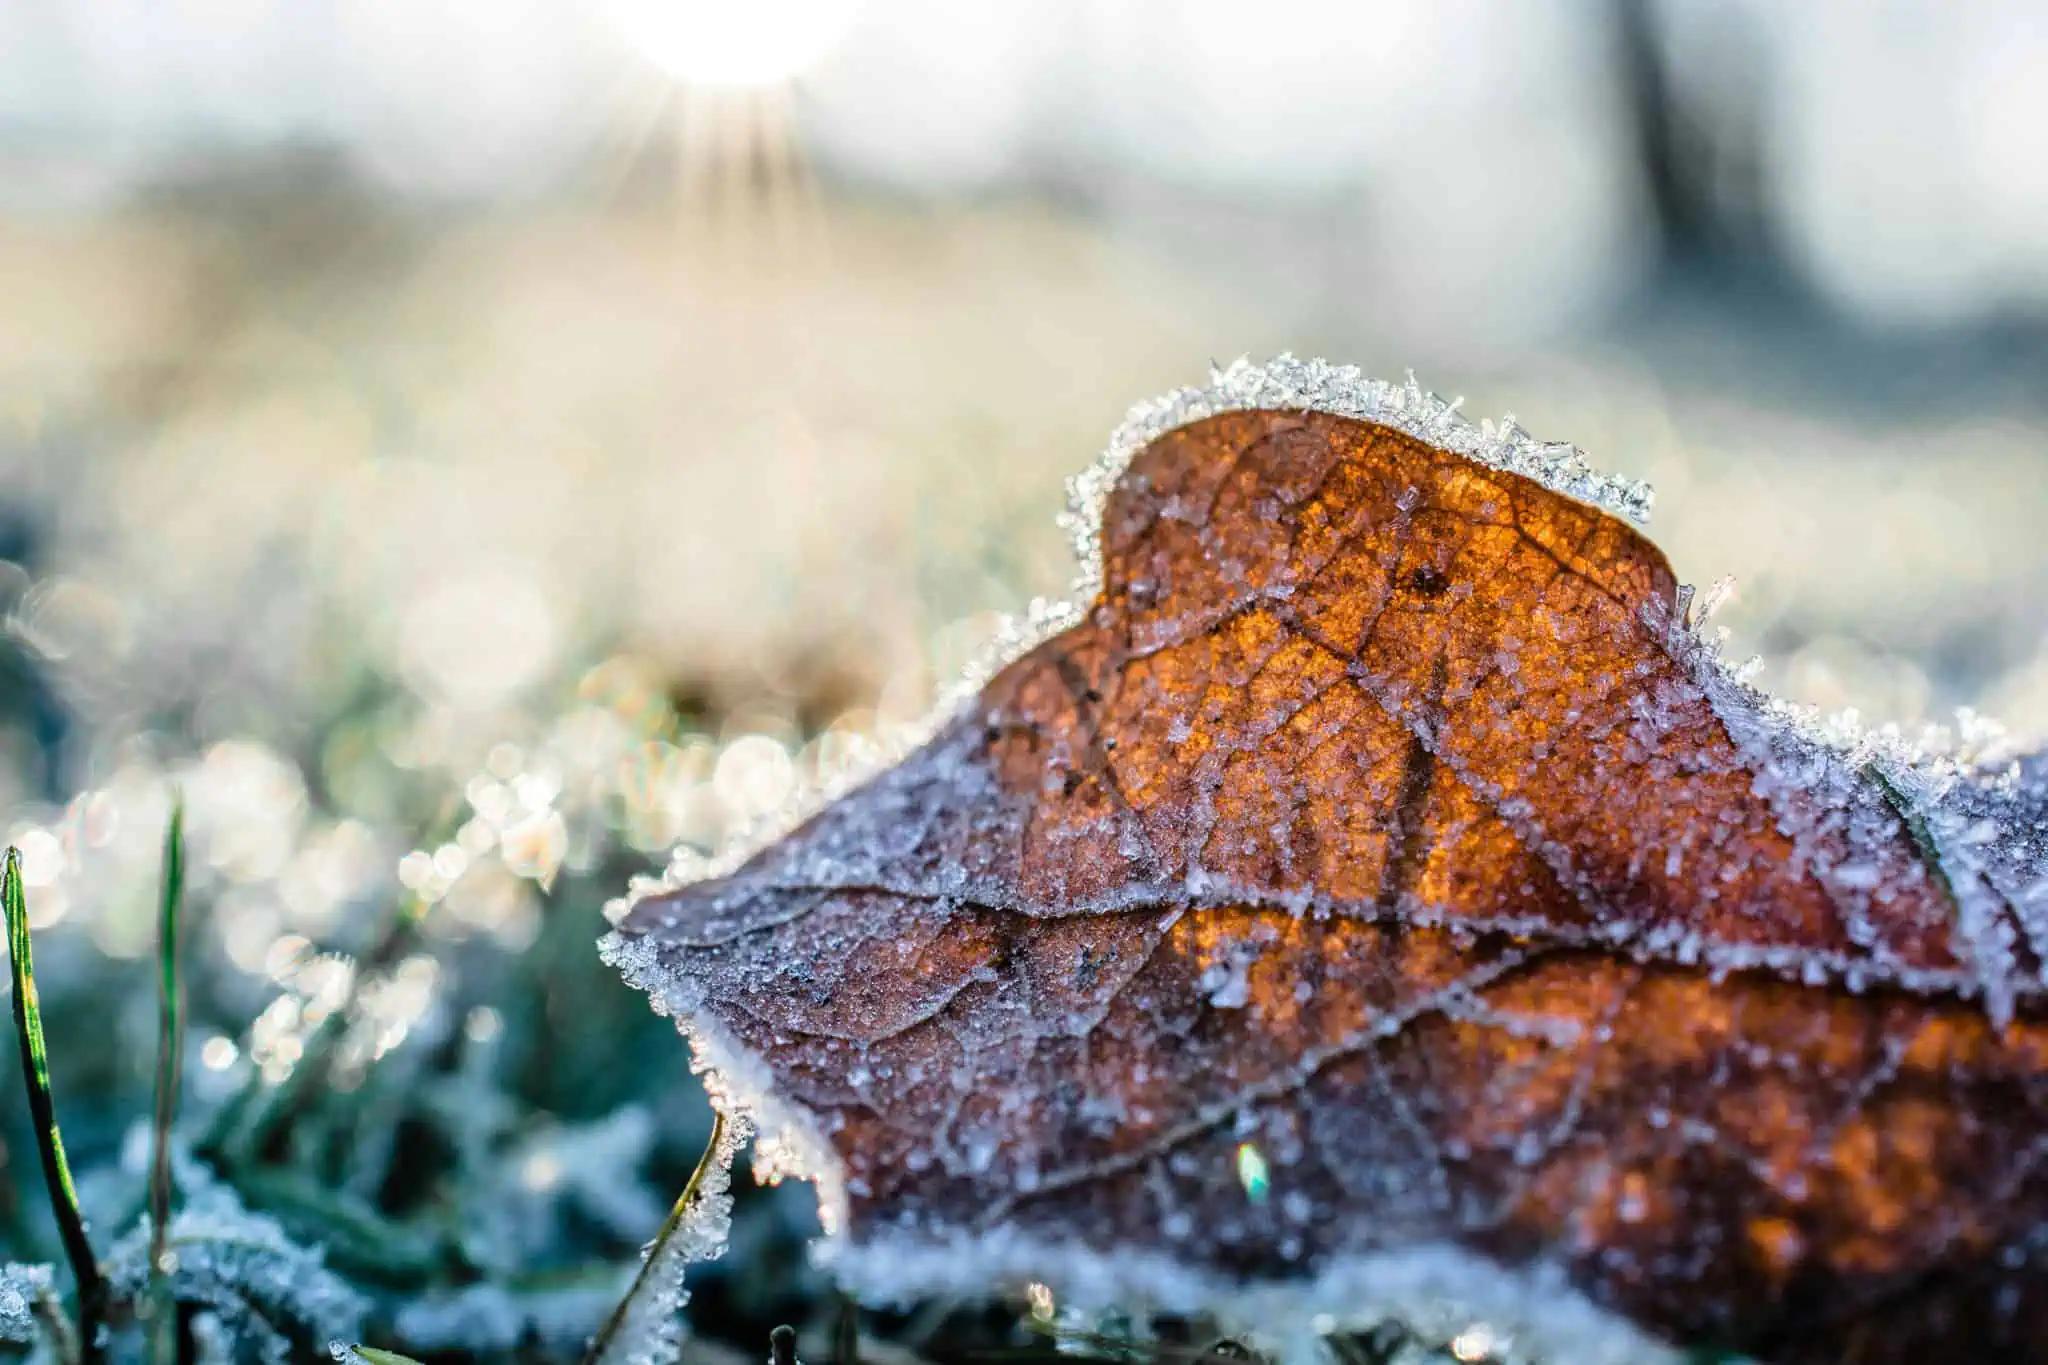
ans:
(733, 43)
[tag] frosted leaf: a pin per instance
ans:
(1285, 384)
(1282, 384)
(1384, 825)
(22, 1287)
(270, 1297)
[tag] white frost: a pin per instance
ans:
(1436, 1292)
(21, 1288)
(1285, 384)
(491, 1321)
(264, 1289)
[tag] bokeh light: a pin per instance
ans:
(706, 43)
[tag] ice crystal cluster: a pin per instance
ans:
(22, 1287)
(1285, 384)
(266, 1293)
(650, 1329)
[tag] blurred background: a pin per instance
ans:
(473, 447)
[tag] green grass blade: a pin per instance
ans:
(648, 1264)
(170, 1051)
(35, 1067)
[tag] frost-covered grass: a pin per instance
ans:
(514, 554)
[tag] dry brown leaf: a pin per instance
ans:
(1380, 902)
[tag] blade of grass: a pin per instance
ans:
(170, 1049)
(600, 1343)
(35, 1067)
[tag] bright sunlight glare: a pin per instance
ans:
(722, 43)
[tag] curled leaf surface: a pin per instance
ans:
(1378, 901)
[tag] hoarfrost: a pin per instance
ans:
(649, 1330)
(1280, 385)
(22, 1288)
(269, 1295)
(1285, 384)
(1434, 1292)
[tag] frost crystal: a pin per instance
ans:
(269, 1295)
(572, 1171)
(650, 1328)
(22, 1287)
(1285, 384)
